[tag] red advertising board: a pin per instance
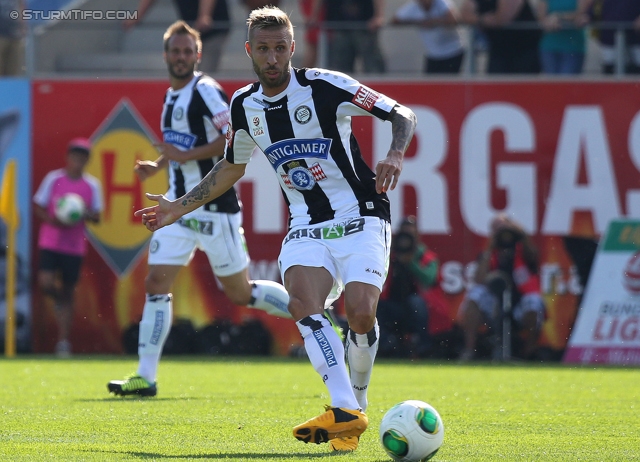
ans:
(562, 158)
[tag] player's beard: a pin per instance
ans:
(261, 73)
(188, 73)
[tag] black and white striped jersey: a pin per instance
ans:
(195, 115)
(305, 133)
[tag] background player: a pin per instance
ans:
(194, 115)
(339, 232)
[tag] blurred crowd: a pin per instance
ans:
(512, 36)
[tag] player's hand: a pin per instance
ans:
(145, 168)
(157, 216)
(169, 151)
(388, 171)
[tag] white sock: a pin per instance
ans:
(361, 353)
(157, 317)
(326, 353)
(270, 297)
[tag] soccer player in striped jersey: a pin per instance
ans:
(339, 235)
(194, 119)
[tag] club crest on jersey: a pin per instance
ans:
(365, 98)
(181, 140)
(294, 149)
(178, 113)
(257, 128)
(299, 177)
(302, 114)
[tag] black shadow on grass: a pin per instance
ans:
(134, 398)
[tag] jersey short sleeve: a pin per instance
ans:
(43, 194)
(211, 94)
(359, 99)
(240, 145)
(97, 202)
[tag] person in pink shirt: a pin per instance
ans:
(61, 246)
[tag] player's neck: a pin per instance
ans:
(274, 91)
(179, 84)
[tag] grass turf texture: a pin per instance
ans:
(244, 409)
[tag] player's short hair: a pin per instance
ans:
(268, 17)
(181, 28)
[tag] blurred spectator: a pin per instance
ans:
(313, 13)
(437, 20)
(62, 247)
(255, 4)
(357, 34)
(510, 262)
(403, 312)
(563, 45)
(623, 11)
(12, 31)
(511, 31)
(209, 17)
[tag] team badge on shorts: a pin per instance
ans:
(302, 178)
(154, 246)
(302, 114)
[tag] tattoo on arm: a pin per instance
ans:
(403, 124)
(202, 192)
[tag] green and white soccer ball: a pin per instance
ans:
(411, 431)
(70, 208)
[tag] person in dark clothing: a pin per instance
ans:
(357, 35)
(403, 312)
(623, 11)
(510, 29)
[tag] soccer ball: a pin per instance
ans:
(70, 208)
(411, 431)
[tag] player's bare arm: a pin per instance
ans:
(221, 177)
(403, 125)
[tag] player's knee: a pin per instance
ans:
(156, 284)
(361, 319)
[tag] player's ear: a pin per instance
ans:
(293, 46)
(247, 48)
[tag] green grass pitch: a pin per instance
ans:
(243, 409)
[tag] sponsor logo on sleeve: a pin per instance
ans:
(365, 98)
(221, 119)
(229, 135)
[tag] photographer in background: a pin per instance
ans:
(403, 312)
(509, 263)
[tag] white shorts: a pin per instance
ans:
(219, 235)
(352, 250)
